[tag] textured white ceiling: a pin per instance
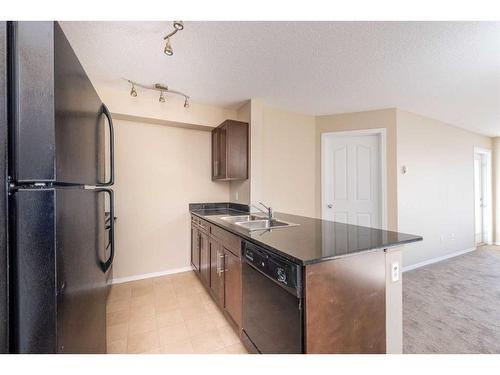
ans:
(446, 70)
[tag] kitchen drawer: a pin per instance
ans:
(203, 225)
(195, 220)
(228, 240)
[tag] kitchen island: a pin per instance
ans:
(344, 280)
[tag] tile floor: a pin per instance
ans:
(170, 314)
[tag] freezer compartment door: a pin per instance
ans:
(58, 127)
(60, 284)
(4, 259)
(31, 70)
(80, 119)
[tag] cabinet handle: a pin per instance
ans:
(220, 256)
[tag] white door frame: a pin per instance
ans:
(488, 212)
(381, 132)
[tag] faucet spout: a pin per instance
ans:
(268, 210)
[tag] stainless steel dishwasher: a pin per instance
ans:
(272, 302)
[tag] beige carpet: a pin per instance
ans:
(454, 306)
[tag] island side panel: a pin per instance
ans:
(394, 303)
(345, 305)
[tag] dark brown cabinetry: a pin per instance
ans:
(217, 271)
(230, 151)
(218, 254)
(232, 286)
(204, 258)
(195, 247)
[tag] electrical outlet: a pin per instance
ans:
(452, 237)
(237, 196)
(394, 272)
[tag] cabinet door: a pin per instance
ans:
(215, 154)
(222, 151)
(232, 286)
(195, 248)
(204, 259)
(217, 271)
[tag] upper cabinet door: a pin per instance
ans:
(57, 122)
(230, 151)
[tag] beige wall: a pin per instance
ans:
(282, 159)
(384, 118)
(435, 196)
(496, 189)
(288, 160)
(159, 171)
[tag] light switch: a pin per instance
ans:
(394, 272)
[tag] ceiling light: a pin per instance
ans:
(133, 92)
(161, 99)
(168, 50)
(178, 25)
(158, 87)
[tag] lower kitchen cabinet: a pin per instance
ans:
(204, 259)
(220, 269)
(195, 248)
(217, 271)
(233, 286)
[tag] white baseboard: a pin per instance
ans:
(438, 259)
(120, 280)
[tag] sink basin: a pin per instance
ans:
(236, 219)
(264, 224)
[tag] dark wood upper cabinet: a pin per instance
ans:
(230, 151)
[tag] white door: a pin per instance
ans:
(351, 178)
(479, 197)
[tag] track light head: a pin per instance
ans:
(161, 99)
(133, 92)
(178, 25)
(186, 103)
(169, 51)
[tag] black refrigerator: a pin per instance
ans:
(56, 143)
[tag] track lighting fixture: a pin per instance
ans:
(178, 25)
(163, 89)
(133, 92)
(168, 50)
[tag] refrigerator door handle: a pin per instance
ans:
(107, 264)
(111, 180)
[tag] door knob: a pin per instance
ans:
(330, 205)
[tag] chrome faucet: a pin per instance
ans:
(268, 210)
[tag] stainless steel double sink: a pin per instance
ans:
(255, 222)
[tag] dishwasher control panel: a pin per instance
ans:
(277, 268)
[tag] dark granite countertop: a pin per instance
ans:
(312, 241)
